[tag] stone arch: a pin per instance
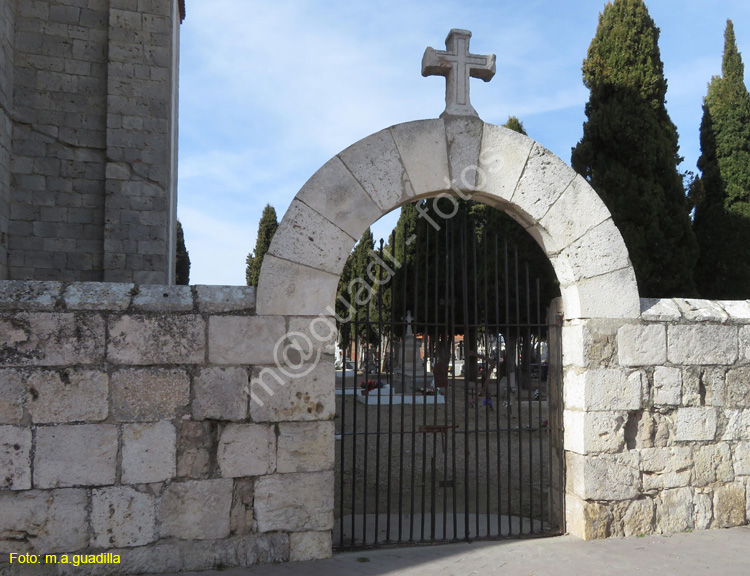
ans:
(427, 158)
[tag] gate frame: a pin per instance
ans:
(491, 164)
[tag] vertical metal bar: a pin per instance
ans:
(355, 433)
(378, 358)
(540, 429)
(403, 395)
(365, 477)
(433, 494)
(450, 334)
(477, 386)
(464, 298)
(451, 254)
(530, 401)
(488, 375)
(342, 427)
(519, 375)
(426, 343)
(413, 419)
(391, 368)
(497, 387)
(509, 407)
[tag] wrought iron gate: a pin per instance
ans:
(430, 448)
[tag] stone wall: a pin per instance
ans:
(93, 111)
(7, 25)
(126, 426)
(657, 420)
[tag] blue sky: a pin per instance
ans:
(269, 91)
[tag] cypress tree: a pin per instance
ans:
(182, 263)
(266, 229)
(629, 150)
(722, 193)
(515, 124)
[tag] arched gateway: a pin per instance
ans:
(456, 155)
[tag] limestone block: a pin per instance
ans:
(697, 310)
(247, 450)
(196, 509)
(729, 506)
(278, 395)
(665, 468)
(306, 237)
(42, 521)
(674, 510)
(659, 310)
(12, 391)
(98, 296)
(586, 520)
(148, 452)
(702, 344)
(713, 463)
(29, 295)
(166, 339)
(737, 425)
(544, 179)
(502, 159)
(305, 546)
(196, 448)
(158, 298)
(294, 502)
(333, 192)
(604, 389)
(667, 386)
(314, 333)
(219, 394)
(611, 295)
(577, 210)
(122, 516)
(691, 386)
(15, 461)
(292, 289)
(51, 339)
(573, 350)
(245, 339)
(222, 299)
(742, 459)
(738, 310)
(715, 389)
(423, 150)
(463, 135)
(639, 517)
(745, 343)
(149, 394)
(642, 345)
(242, 520)
(604, 477)
(376, 164)
(594, 432)
(305, 447)
(696, 424)
(604, 243)
(68, 396)
(703, 510)
(738, 387)
(82, 455)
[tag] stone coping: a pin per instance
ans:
(695, 310)
(37, 296)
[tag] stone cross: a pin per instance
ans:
(409, 320)
(457, 65)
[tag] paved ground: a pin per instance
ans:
(707, 553)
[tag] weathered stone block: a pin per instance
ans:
(602, 240)
(222, 299)
(729, 506)
(122, 516)
(463, 135)
(738, 387)
(83, 455)
(659, 310)
(745, 342)
(12, 390)
(674, 510)
(742, 459)
(424, 153)
(244, 340)
(713, 463)
(196, 448)
(665, 468)
(696, 424)
(587, 520)
(148, 452)
(98, 296)
(667, 386)
(594, 432)
(306, 237)
(305, 546)
(247, 450)
(294, 502)
(68, 396)
(639, 517)
(703, 510)
(697, 310)
(242, 519)
(317, 333)
(51, 339)
(376, 164)
(612, 295)
(604, 477)
(196, 509)
(45, 522)
(702, 344)
(220, 394)
(278, 395)
(305, 447)
(738, 310)
(149, 394)
(15, 461)
(165, 339)
(334, 192)
(604, 389)
(642, 345)
(158, 298)
(737, 425)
